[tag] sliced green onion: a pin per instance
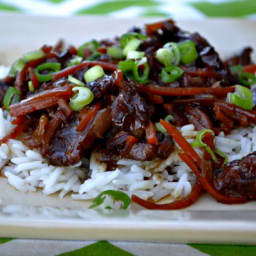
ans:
(31, 87)
(126, 65)
(52, 66)
(91, 45)
(236, 69)
(81, 99)
(160, 128)
(141, 76)
(74, 61)
(198, 142)
(94, 56)
(242, 97)
(17, 66)
(115, 52)
(169, 118)
(115, 195)
(126, 38)
(131, 46)
(33, 55)
(169, 54)
(93, 74)
(75, 81)
(12, 96)
(171, 73)
(246, 78)
(137, 70)
(220, 153)
(188, 51)
(134, 55)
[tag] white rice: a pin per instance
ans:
(26, 170)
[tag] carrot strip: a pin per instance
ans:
(207, 186)
(250, 68)
(15, 133)
(70, 70)
(155, 99)
(130, 141)
(90, 114)
(39, 101)
(151, 134)
(237, 110)
(168, 91)
(181, 141)
(180, 204)
(204, 73)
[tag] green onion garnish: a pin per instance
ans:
(126, 66)
(91, 45)
(137, 70)
(31, 87)
(220, 153)
(131, 46)
(81, 99)
(198, 142)
(33, 55)
(160, 128)
(245, 78)
(141, 71)
(242, 97)
(169, 54)
(93, 74)
(169, 118)
(126, 38)
(17, 66)
(75, 81)
(52, 66)
(134, 55)
(20, 63)
(115, 52)
(12, 96)
(188, 51)
(74, 61)
(115, 195)
(171, 73)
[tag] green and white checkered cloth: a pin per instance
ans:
(177, 9)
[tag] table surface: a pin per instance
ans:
(190, 9)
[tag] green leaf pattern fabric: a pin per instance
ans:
(178, 9)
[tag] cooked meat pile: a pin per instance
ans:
(151, 73)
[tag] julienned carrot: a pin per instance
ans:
(39, 101)
(181, 141)
(250, 68)
(15, 132)
(168, 91)
(88, 116)
(204, 73)
(70, 70)
(180, 204)
(151, 134)
(207, 186)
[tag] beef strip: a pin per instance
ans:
(130, 111)
(238, 178)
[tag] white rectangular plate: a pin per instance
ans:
(34, 215)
